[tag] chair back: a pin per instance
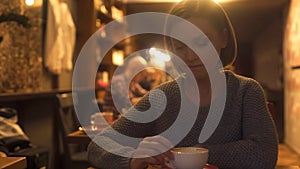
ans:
(67, 116)
(68, 122)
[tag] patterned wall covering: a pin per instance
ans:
(20, 47)
(292, 76)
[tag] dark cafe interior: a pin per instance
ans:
(42, 86)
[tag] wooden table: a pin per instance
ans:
(13, 163)
(78, 137)
(287, 167)
(208, 166)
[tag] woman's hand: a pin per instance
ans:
(151, 151)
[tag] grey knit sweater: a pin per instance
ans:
(244, 139)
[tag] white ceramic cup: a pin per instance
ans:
(98, 119)
(188, 158)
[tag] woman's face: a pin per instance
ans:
(218, 39)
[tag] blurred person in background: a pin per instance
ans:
(139, 85)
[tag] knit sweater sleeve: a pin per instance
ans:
(102, 158)
(258, 146)
(117, 150)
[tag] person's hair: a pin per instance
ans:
(133, 64)
(213, 12)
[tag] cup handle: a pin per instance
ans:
(92, 117)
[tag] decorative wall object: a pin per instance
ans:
(20, 46)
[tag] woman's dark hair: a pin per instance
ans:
(212, 11)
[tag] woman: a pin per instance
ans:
(245, 136)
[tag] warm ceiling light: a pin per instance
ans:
(118, 57)
(29, 2)
(149, 1)
(220, 1)
(159, 54)
(36, 3)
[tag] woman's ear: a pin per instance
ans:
(225, 35)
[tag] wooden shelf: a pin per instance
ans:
(6, 97)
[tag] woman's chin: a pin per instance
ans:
(199, 73)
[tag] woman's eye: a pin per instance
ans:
(179, 47)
